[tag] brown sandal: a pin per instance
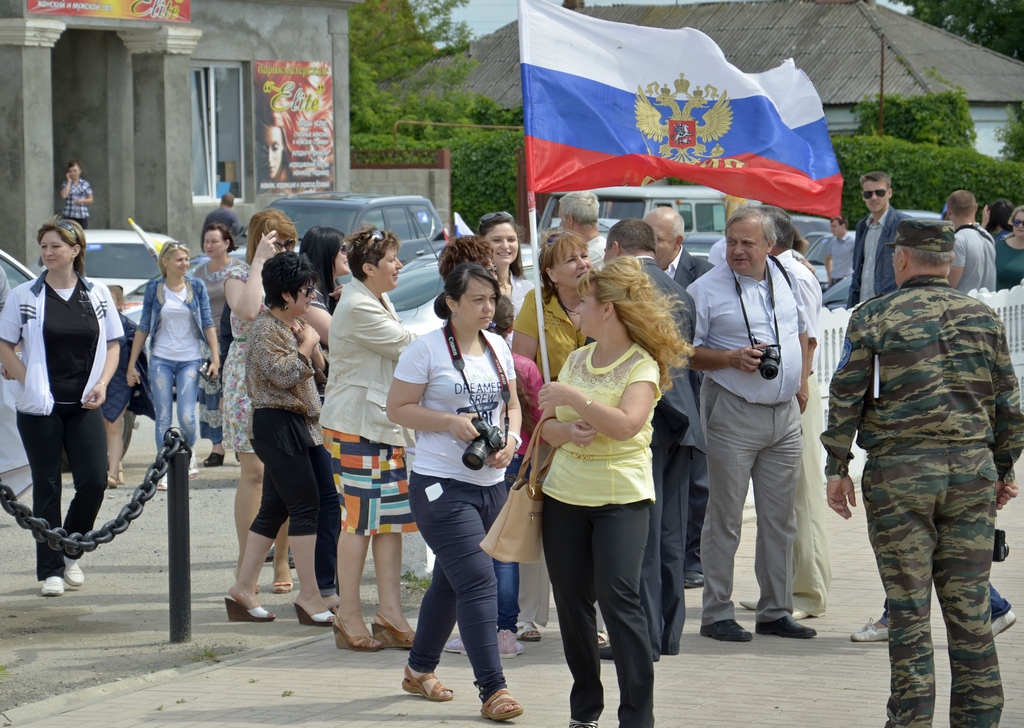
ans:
(436, 693)
(344, 641)
(493, 707)
(391, 636)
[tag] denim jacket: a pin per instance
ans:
(198, 303)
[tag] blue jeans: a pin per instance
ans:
(166, 375)
(463, 588)
(999, 606)
(508, 573)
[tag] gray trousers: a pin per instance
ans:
(749, 441)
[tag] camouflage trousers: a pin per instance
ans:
(931, 519)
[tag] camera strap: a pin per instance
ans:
(460, 366)
(771, 297)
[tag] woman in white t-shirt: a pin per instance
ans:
(448, 386)
(176, 313)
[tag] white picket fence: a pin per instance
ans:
(1009, 304)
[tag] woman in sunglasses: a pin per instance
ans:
(68, 329)
(368, 449)
(282, 366)
(244, 293)
(502, 233)
(176, 313)
(1010, 252)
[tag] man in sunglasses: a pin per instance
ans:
(872, 260)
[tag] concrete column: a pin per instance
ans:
(26, 131)
(337, 26)
(163, 128)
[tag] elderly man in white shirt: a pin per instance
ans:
(750, 339)
(812, 570)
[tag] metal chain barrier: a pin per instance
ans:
(60, 540)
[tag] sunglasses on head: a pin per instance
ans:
(493, 215)
(1018, 223)
(866, 194)
(69, 227)
(376, 236)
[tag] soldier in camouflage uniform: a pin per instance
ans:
(926, 382)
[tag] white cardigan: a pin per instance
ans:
(22, 321)
(366, 339)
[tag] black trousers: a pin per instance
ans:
(328, 522)
(82, 435)
(662, 584)
(289, 491)
(699, 481)
(594, 554)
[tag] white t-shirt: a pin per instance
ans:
(426, 361)
(175, 338)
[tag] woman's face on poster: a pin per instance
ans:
(273, 136)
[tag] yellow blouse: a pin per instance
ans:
(562, 337)
(605, 471)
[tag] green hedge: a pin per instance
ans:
(923, 175)
(937, 118)
(483, 167)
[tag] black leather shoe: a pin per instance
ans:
(726, 630)
(693, 579)
(785, 627)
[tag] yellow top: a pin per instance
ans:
(562, 337)
(605, 471)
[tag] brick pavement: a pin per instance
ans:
(827, 682)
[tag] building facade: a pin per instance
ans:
(169, 104)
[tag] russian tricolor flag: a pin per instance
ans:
(609, 104)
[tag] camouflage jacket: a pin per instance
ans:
(945, 379)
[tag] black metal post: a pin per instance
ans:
(179, 566)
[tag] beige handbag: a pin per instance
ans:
(515, 535)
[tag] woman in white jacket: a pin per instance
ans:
(68, 329)
(367, 449)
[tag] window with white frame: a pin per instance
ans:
(217, 131)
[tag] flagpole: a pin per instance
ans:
(535, 248)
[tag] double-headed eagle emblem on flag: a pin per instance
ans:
(682, 137)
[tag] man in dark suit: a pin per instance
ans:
(684, 268)
(661, 576)
(872, 260)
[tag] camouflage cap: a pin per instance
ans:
(931, 235)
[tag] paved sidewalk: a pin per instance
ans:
(826, 682)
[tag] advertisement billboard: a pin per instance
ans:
(294, 127)
(165, 11)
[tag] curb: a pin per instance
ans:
(33, 712)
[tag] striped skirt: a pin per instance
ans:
(374, 486)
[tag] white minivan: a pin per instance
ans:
(702, 208)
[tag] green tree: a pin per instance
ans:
(389, 43)
(1012, 135)
(995, 24)
(938, 118)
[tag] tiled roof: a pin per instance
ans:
(838, 45)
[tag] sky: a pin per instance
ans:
(486, 16)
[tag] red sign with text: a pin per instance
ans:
(164, 11)
(294, 127)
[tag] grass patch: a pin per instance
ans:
(414, 582)
(3, 672)
(209, 654)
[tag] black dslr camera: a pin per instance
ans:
(771, 358)
(489, 441)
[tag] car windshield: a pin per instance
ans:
(14, 275)
(306, 215)
(416, 287)
(119, 260)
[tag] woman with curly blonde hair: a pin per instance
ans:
(601, 483)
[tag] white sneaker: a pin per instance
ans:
(162, 483)
(193, 468)
(1003, 623)
(73, 575)
(871, 632)
(53, 587)
(455, 646)
(507, 644)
